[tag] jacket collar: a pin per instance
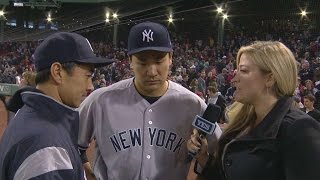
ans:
(270, 125)
(28, 98)
(53, 111)
(15, 102)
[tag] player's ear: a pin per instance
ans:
(130, 62)
(130, 59)
(170, 58)
(56, 72)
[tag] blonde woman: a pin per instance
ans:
(267, 138)
(194, 85)
(27, 83)
(28, 79)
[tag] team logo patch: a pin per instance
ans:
(204, 125)
(147, 35)
(126, 139)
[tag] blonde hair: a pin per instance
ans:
(270, 57)
(213, 87)
(193, 82)
(30, 78)
(233, 110)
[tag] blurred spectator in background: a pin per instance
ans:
(194, 86)
(215, 97)
(308, 101)
(229, 94)
(28, 79)
(202, 87)
(317, 87)
(306, 72)
(184, 81)
(222, 80)
(191, 56)
(309, 88)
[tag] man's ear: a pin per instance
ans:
(130, 61)
(170, 58)
(56, 72)
(130, 58)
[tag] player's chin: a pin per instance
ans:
(152, 83)
(152, 87)
(76, 103)
(82, 99)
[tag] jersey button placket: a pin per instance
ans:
(148, 150)
(150, 123)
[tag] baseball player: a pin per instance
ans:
(40, 142)
(141, 125)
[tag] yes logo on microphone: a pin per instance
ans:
(204, 125)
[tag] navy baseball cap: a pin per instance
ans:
(65, 47)
(149, 36)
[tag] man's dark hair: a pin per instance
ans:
(310, 97)
(317, 74)
(184, 75)
(43, 75)
(213, 88)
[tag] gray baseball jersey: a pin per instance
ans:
(138, 140)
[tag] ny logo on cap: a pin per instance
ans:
(147, 35)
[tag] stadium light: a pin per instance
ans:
(107, 15)
(225, 16)
(303, 13)
(107, 20)
(219, 10)
(1, 13)
(170, 18)
(115, 15)
(49, 19)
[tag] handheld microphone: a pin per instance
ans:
(207, 123)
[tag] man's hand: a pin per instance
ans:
(89, 172)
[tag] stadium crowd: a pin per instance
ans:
(197, 64)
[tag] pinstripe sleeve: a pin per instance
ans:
(86, 126)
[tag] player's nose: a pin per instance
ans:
(152, 70)
(90, 86)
